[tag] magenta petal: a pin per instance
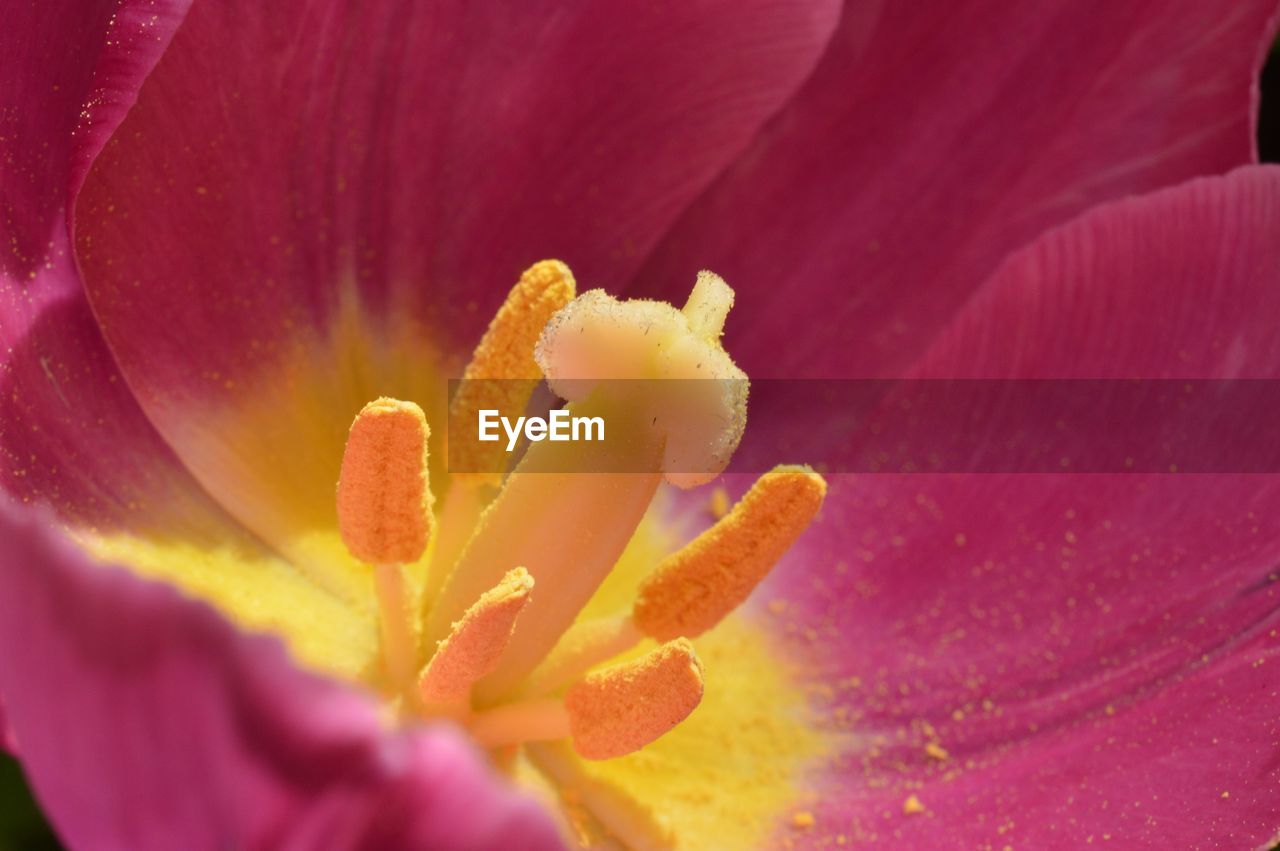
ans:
(1095, 655)
(148, 722)
(69, 70)
(931, 142)
(7, 742)
(72, 432)
(286, 159)
(313, 205)
(1182, 283)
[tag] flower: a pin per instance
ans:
(232, 225)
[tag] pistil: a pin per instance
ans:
(566, 527)
(584, 349)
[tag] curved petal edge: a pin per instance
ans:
(148, 722)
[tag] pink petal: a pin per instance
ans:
(1180, 284)
(931, 142)
(6, 735)
(311, 201)
(1095, 654)
(70, 72)
(74, 436)
(73, 433)
(147, 721)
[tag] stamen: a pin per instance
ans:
(384, 514)
(475, 645)
(384, 502)
(694, 589)
(623, 708)
(505, 352)
(608, 714)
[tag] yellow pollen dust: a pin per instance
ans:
(506, 352)
(384, 502)
(693, 589)
(718, 505)
(476, 642)
(620, 709)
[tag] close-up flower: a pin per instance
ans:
(265, 266)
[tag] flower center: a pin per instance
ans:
(491, 637)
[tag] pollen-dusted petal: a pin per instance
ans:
(476, 642)
(694, 588)
(503, 373)
(621, 709)
(384, 501)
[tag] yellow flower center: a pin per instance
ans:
(548, 610)
(491, 635)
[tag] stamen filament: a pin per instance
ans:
(463, 505)
(542, 720)
(632, 823)
(584, 646)
(394, 619)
